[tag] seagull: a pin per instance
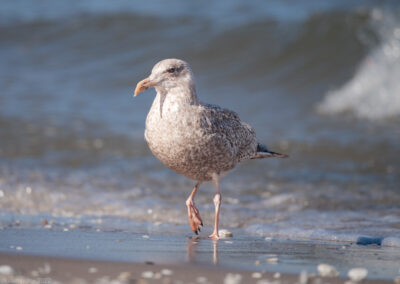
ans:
(198, 140)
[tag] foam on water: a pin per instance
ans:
(114, 191)
(374, 91)
(342, 226)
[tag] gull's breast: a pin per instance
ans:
(180, 142)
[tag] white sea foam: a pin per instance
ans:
(391, 242)
(374, 91)
(349, 227)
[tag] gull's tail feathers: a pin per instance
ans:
(263, 152)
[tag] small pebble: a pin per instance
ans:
(201, 280)
(6, 270)
(147, 274)
(149, 262)
(46, 269)
(357, 274)
(326, 270)
(232, 278)
(124, 277)
(18, 248)
(256, 275)
(303, 277)
(318, 281)
(224, 233)
(277, 275)
(166, 272)
(272, 260)
(93, 270)
(65, 229)
(266, 281)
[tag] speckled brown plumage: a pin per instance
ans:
(198, 140)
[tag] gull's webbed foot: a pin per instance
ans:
(194, 216)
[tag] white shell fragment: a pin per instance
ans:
(303, 277)
(256, 275)
(326, 270)
(357, 274)
(201, 280)
(224, 233)
(6, 270)
(46, 269)
(166, 272)
(232, 278)
(147, 274)
(124, 277)
(272, 260)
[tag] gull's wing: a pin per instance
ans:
(232, 133)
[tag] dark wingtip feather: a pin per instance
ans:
(278, 155)
(263, 152)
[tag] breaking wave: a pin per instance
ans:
(374, 91)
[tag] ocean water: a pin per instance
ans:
(316, 79)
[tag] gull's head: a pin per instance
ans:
(166, 75)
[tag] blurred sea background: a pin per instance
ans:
(318, 80)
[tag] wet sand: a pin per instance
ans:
(67, 270)
(146, 254)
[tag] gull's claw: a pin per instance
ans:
(194, 217)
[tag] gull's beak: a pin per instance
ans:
(143, 86)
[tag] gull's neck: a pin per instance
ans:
(176, 97)
(181, 94)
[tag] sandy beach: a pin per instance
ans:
(71, 254)
(40, 269)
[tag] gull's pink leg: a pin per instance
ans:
(193, 213)
(217, 204)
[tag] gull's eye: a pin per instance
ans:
(171, 70)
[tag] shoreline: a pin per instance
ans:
(143, 252)
(46, 269)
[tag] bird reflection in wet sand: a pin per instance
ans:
(191, 252)
(198, 140)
